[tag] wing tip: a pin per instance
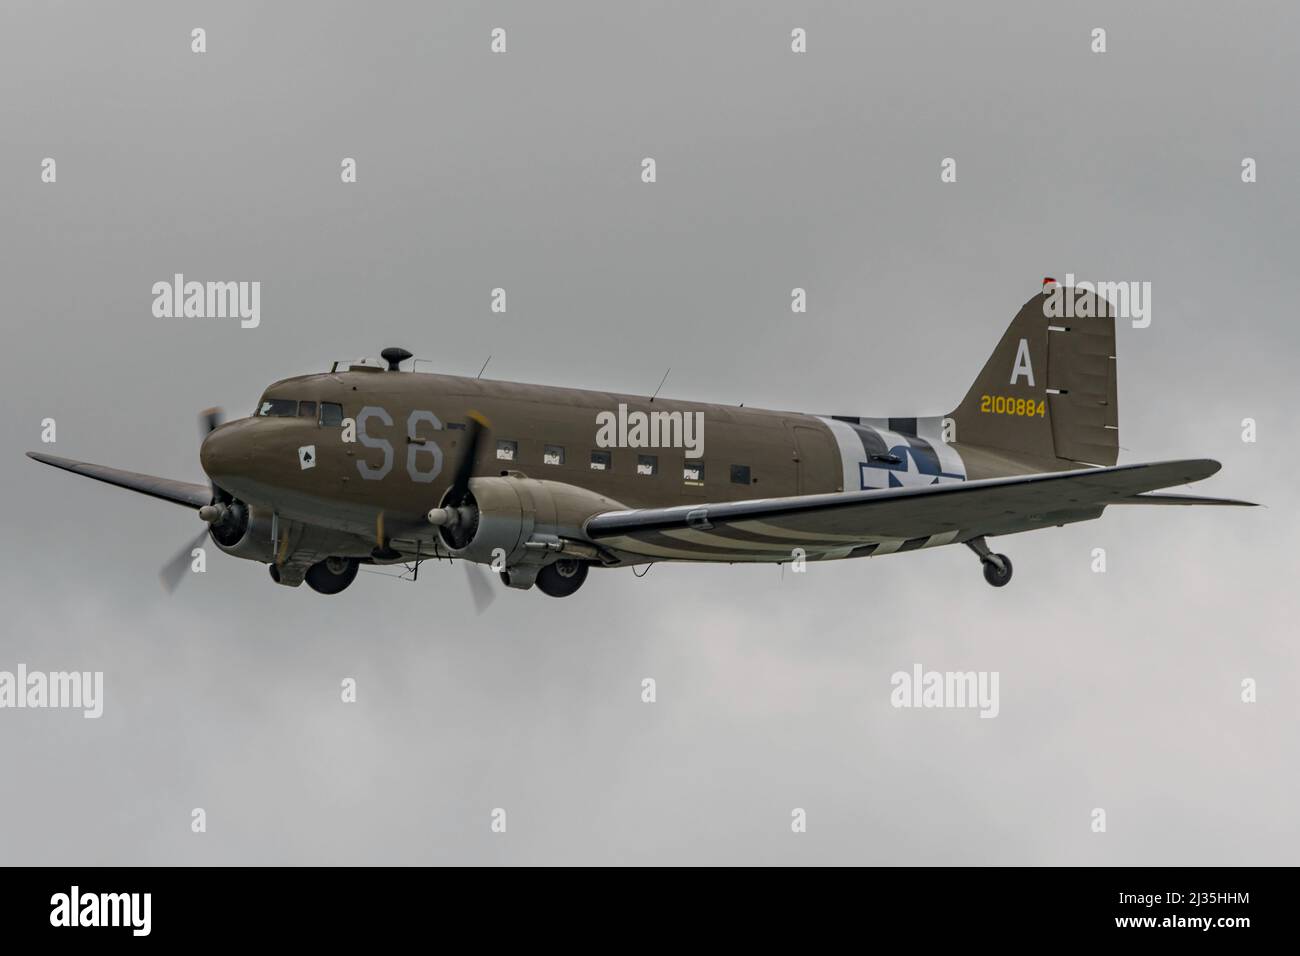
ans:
(1152, 498)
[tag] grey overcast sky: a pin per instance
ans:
(1118, 690)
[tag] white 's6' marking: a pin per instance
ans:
(415, 448)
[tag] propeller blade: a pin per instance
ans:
(209, 419)
(475, 426)
(480, 586)
(174, 570)
(172, 573)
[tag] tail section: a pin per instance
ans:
(1049, 390)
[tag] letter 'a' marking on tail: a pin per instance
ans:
(1023, 366)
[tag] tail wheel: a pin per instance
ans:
(331, 575)
(561, 578)
(998, 576)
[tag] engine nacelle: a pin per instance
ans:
(244, 532)
(524, 519)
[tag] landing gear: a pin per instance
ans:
(331, 575)
(561, 578)
(997, 567)
(997, 576)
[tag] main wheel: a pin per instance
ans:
(331, 575)
(561, 578)
(995, 576)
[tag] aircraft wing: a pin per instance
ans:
(886, 520)
(178, 492)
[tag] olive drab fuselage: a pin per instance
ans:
(407, 430)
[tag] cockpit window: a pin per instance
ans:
(306, 409)
(277, 408)
(331, 414)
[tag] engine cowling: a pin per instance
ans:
(245, 532)
(521, 518)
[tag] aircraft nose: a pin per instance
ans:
(225, 451)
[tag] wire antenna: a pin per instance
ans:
(661, 384)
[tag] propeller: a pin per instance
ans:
(459, 513)
(173, 572)
(209, 419)
(476, 426)
(480, 586)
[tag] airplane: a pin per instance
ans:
(372, 465)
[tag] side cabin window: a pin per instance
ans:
(507, 450)
(693, 473)
(647, 465)
(740, 474)
(277, 408)
(553, 455)
(601, 461)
